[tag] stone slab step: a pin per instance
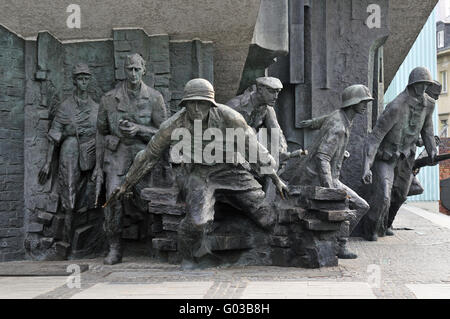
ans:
(334, 215)
(160, 195)
(319, 225)
(319, 193)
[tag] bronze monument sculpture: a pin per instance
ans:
(73, 129)
(205, 179)
(323, 164)
(128, 117)
(390, 152)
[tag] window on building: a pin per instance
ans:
(440, 39)
(444, 128)
(444, 81)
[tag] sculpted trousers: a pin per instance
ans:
(401, 187)
(379, 198)
(201, 192)
(114, 212)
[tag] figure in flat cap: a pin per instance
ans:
(322, 166)
(257, 104)
(128, 117)
(390, 152)
(73, 130)
(207, 181)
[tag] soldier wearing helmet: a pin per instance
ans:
(391, 149)
(128, 117)
(205, 180)
(322, 165)
(73, 132)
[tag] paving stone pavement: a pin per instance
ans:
(415, 263)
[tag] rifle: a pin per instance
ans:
(424, 161)
(287, 156)
(98, 189)
(115, 196)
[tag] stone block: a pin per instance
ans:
(327, 205)
(80, 237)
(10, 232)
(171, 223)
(289, 216)
(319, 193)
(318, 225)
(281, 257)
(10, 244)
(281, 230)
(280, 241)
(44, 218)
(168, 209)
(333, 215)
(229, 242)
(162, 67)
(52, 203)
(157, 226)
(160, 195)
(56, 228)
(122, 46)
(46, 242)
(35, 228)
(162, 80)
(62, 249)
(164, 244)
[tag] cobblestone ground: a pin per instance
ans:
(418, 254)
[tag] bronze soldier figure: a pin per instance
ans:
(391, 148)
(322, 165)
(206, 180)
(404, 172)
(128, 117)
(74, 130)
(257, 104)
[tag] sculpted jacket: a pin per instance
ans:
(220, 117)
(329, 145)
(148, 110)
(399, 127)
(258, 116)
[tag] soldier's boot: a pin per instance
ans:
(371, 237)
(389, 232)
(343, 252)
(114, 251)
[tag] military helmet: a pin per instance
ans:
(198, 89)
(81, 68)
(355, 94)
(420, 75)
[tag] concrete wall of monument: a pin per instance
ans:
(229, 24)
(12, 89)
